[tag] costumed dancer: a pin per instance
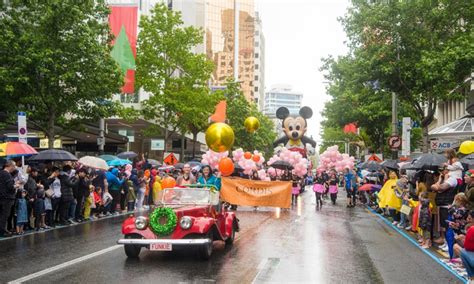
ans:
(295, 190)
(319, 189)
(333, 183)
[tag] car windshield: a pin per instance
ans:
(201, 196)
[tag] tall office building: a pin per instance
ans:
(259, 58)
(281, 96)
(216, 18)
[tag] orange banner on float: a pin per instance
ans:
(246, 192)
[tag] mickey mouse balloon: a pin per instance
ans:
(251, 123)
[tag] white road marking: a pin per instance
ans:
(64, 265)
(266, 267)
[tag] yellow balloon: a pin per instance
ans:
(467, 147)
(219, 137)
(251, 123)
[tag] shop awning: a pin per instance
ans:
(463, 127)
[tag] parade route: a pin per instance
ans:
(335, 245)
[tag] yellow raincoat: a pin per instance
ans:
(387, 197)
(157, 189)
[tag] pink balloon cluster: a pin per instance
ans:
(212, 158)
(332, 159)
(249, 165)
(300, 164)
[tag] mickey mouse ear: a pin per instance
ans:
(282, 113)
(306, 112)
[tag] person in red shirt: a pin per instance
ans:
(467, 254)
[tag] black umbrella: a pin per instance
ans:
(179, 166)
(127, 155)
(194, 164)
(282, 165)
(468, 161)
(429, 161)
(372, 166)
(53, 155)
(390, 164)
(154, 162)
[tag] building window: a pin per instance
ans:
(256, 44)
(256, 77)
(256, 55)
(256, 89)
(257, 32)
(256, 66)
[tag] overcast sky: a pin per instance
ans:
(298, 33)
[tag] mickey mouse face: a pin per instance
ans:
(294, 127)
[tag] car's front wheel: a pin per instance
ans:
(230, 240)
(205, 251)
(132, 251)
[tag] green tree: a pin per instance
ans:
(238, 109)
(175, 76)
(355, 99)
(55, 63)
(421, 50)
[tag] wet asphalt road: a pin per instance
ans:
(334, 245)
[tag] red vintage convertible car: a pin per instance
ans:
(191, 217)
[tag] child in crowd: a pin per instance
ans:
(403, 193)
(98, 208)
(106, 203)
(39, 209)
(89, 201)
(458, 213)
(131, 197)
(21, 212)
(424, 222)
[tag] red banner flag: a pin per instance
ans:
(123, 23)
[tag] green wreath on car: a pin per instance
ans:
(163, 221)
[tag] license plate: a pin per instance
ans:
(161, 247)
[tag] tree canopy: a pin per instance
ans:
(238, 109)
(420, 50)
(55, 63)
(174, 75)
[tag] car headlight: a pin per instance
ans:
(185, 222)
(141, 223)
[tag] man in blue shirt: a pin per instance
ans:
(350, 184)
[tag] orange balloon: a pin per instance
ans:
(168, 182)
(147, 173)
(226, 166)
(247, 155)
(256, 158)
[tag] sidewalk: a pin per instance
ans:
(436, 254)
(33, 232)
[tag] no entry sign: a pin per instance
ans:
(394, 142)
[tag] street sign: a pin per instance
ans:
(394, 142)
(22, 132)
(100, 141)
(442, 145)
(171, 159)
(406, 130)
(157, 144)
